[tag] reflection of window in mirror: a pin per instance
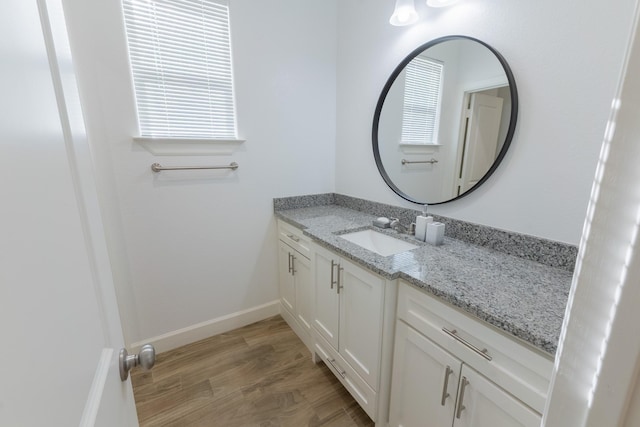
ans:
(421, 105)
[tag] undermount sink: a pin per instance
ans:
(377, 242)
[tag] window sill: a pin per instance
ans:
(419, 148)
(189, 147)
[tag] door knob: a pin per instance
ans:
(146, 358)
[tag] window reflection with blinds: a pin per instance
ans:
(180, 53)
(421, 107)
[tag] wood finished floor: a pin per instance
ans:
(259, 375)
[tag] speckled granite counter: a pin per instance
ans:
(519, 296)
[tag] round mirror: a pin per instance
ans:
(444, 120)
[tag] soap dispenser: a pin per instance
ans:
(421, 224)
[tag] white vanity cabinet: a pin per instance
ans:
(451, 369)
(481, 403)
(424, 381)
(351, 305)
(326, 299)
(348, 311)
(296, 286)
(429, 383)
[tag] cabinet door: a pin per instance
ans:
(361, 294)
(303, 289)
(424, 381)
(287, 287)
(487, 405)
(326, 298)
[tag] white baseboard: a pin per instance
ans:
(209, 328)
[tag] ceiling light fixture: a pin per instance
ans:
(404, 13)
(440, 3)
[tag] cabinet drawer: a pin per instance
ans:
(358, 388)
(294, 238)
(522, 371)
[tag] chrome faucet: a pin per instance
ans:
(397, 226)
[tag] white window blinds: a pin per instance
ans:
(422, 93)
(180, 53)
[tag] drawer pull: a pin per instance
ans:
(340, 269)
(342, 373)
(292, 237)
(461, 407)
(458, 338)
(448, 372)
(290, 263)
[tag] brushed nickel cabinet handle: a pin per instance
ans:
(333, 282)
(290, 267)
(340, 269)
(461, 407)
(293, 265)
(341, 372)
(294, 238)
(445, 386)
(453, 334)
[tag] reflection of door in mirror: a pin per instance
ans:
(481, 131)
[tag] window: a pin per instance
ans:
(180, 53)
(422, 94)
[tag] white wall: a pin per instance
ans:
(633, 408)
(598, 356)
(188, 247)
(566, 58)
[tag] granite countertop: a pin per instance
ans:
(519, 296)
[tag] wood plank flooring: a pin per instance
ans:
(260, 375)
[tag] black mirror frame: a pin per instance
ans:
(387, 87)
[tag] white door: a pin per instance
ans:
(487, 405)
(361, 295)
(481, 143)
(59, 324)
(424, 381)
(326, 299)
